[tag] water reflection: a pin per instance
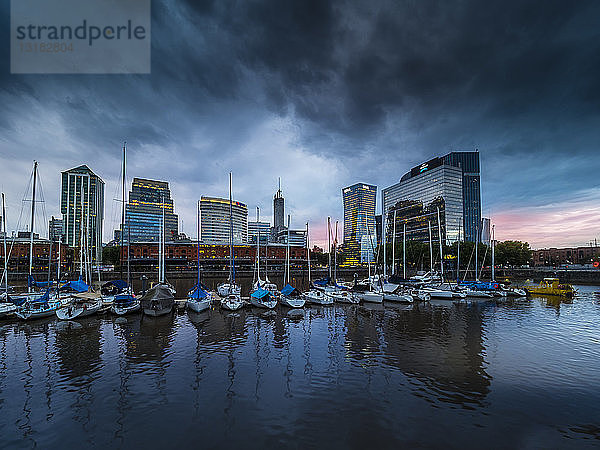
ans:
(342, 375)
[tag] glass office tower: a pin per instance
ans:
(359, 218)
(82, 208)
(468, 162)
(215, 224)
(417, 197)
(144, 211)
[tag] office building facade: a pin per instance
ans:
(144, 212)
(55, 230)
(297, 237)
(419, 195)
(468, 162)
(215, 224)
(82, 209)
(485, 234)
(256, 229)
(359, 218)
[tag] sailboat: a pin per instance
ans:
(41, 304)
(159, 300)
(394, 292)
(369, 294)
(316, 296)
(290, 296)
(259, 283)
(260, 296)
(338, 293)
(229, 291)
(198, 298)
(7, 307)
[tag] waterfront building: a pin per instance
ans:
(144, 212)
(485, 228)
(359, 218)
(378, 224)
(259, 228)
(417, 197)
(468, 162)
(564, 256)
(297, 237)
(82, 209)
(214, 221)
(55, 230)
(18, 251)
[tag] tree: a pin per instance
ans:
(111, 255)
(513, 253)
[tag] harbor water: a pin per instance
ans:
(520, 374)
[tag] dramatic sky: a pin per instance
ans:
(326, 94)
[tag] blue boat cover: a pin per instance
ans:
(43, 299)
(481, 285)
(322, 282)
(77, 286)
(123, 299)
(119, 284)
(198, 292)
(260, 293)
(288, 290)
(42, 284)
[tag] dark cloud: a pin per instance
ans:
(364, 90)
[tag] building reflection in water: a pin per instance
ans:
(439, 349)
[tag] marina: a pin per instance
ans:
(521, 374)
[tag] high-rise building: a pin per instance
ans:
(468, 162)
(278, 214)
(259, 228)
(297, 237)
(359, 218)
(144, 212)
(55, 230)
(82, 208)
(419, 195)
(215, 224)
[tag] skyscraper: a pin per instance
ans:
(359, 218)
(278, 214)
(82, 208)
(144, 212)
(469, 164)
(215, 224)
(416, 199)
(259, 228)
(55, 230)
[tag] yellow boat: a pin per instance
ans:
(551, 286)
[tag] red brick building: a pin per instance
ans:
(562, 256)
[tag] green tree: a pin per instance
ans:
(513, 253)
(111, 255)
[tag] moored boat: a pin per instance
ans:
(125, 304)
(198, 299)
(291, 297)
(157, 301)
(552, 286)
(261, 298)
(80, 305)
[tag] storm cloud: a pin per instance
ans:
(326, 94)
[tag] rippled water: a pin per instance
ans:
(521, 375)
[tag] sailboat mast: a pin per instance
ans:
(308, 253)
(335, 253)
(394, 246)
(59, 262)
(440, 239)
(35, 164)
(198, 247)
(258, 244)
(329, 245)
(128, 250)
(231, 272)
(164, 245)
(4, 242)
(458, 258)
(476, 251)
(493, 256)
(123, 213)
(404, 252)
(430, 248)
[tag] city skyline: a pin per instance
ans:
(360, 96)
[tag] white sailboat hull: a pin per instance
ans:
(38, 313)
(76, 310)
(292, 302)
(198, 305)
(371, 297)
(122, 310)
(401, 298)
(317, 297)
(225, 289)
(7, 309)
(270, 304)
(232, 302)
